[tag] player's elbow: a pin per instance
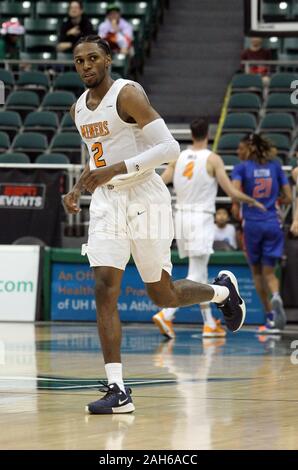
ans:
(173, 151)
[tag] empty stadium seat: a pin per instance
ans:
(6, 76)
(41, 42)
(41, 121)
(58, 101)
(273, 13)
(4, 141)
(278, 122)
(41, 26)
(40, 56)
(22, 101)
(10, 122)
(53, 159)
(228, 143)
(69, 81)
(16, 9)
(245, 102)
(52, 9)
(281, 82)
(68, 143)
(243, 122)
(280, 102)
(67, 123)
(247, 82)
(231, 160)
(35, 80)
(14, 157)
(32, 143)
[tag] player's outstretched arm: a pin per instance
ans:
(227, 185)
(168, 173)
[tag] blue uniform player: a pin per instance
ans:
(262, 177)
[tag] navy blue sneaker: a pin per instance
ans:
(114, 401)
(233, 307)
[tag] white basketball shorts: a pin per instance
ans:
(133, 220)
(194, 232)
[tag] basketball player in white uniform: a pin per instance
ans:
(127, 140)
(195, 176)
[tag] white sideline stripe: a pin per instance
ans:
(82, 380)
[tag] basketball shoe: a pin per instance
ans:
(114, 401)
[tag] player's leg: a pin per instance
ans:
(224, 292)
(272, 251)
(261, 286)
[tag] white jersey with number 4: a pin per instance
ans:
(193, 184)
(109, 139)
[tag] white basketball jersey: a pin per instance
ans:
(192, 183)
(109, 139)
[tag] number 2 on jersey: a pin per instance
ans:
(262, 188)
(97, 154)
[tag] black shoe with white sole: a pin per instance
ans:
(114, 401)
(233, 307)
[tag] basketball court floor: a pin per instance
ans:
(235, 393)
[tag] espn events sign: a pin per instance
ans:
(22, 196)
(19, 276)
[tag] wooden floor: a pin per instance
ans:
(238, 393)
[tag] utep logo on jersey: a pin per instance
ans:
(96, 129)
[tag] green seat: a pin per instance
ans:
(69, 81)
(41, 42)
(4, 141)
(280, 102)
(41, 121)
(22, 101)
(16, 9)
(280, 141)
(58, 101)
(120, 64)
(68, 143)
(7, 78)
(245, 102)
(243, 122)
(10, 122)
(41, 26)
(14, 157)
(231, 160)
(40, 56)
(247, 83)
(37, 81)
(229, 143)
(293, 162)
(67, 123)
(278, 122)
(291, 44)
(53, 158)
(32, 143)
(282, 81)
(52, 9)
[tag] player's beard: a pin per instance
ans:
(95, 84)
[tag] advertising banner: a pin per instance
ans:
(19, 272)
(72, 296)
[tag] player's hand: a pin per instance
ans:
(71, 202)
(260, 206)
(294, 228)
(97, 178)
(74, 31)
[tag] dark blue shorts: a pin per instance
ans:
(264, 241)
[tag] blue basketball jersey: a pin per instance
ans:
(262, 182)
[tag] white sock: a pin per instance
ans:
(169, 313)
(114, 374)
(220, 293)
(275, 294)
(207, 317)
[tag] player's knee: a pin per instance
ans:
(106, 295)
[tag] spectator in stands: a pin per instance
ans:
(116, 30)
(224, 232)
(257, 53)
(262, 177)
(11, 32)
(76, 26)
